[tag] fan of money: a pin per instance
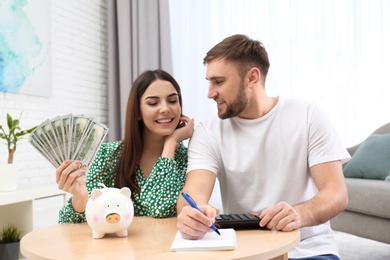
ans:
(73, 137)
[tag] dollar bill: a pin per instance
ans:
(39, 148)
(42, 135)
(51, 136)
(56, 124)
(95, 136)
(81, 125)
(67, 122)
(37, 144)
(69, 137)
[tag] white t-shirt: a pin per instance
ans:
(263, 161)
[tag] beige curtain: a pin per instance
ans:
(139, 39)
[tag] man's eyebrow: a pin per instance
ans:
(215, 78)
(156, 97)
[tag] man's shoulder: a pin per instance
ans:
(214, 123)
(296, 101)
(214, 120)
(292, 104)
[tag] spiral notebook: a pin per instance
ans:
(212, 241)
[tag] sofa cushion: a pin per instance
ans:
(370, 197)
(371, 160)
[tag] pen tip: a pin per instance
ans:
(217, 232)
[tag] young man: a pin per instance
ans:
(276, 156)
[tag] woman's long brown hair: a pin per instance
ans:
(132, 145)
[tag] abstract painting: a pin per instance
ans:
(25, 47)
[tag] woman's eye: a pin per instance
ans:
(152, 104)
(173, 101)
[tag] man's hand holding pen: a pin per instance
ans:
(194, 223)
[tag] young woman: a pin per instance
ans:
(151, 159)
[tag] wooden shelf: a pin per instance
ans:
(27, 193)
(17, 207)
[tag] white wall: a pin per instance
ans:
(78, 77)
(333, 52)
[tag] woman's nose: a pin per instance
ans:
(164, 108)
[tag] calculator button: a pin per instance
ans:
(225, 217)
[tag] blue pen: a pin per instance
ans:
(193, 204)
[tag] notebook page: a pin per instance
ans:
(212, 241)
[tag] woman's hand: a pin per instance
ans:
(70, 178)
(183, 131)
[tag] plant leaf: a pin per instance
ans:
(9, 121)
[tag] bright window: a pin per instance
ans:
(334, 52)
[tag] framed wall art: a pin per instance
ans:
(25, 47)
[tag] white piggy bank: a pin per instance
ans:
(109, 210)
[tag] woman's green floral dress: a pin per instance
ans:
(158, 194)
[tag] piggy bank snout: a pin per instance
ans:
(113, 218)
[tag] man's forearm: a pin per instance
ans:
(322, 207)
(199, 185)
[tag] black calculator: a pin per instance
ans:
(238, 221)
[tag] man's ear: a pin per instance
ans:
(254, 76)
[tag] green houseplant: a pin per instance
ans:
(8, 172)
(13, 136)
(10, 242)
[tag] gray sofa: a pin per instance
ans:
(368, 211)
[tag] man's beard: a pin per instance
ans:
(238, 105)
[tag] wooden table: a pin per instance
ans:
(149, 238)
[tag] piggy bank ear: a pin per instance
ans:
(96, 193)
(125, 191)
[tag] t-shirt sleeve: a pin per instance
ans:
(203, 150)
(324, 142)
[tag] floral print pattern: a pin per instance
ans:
(159, 191)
